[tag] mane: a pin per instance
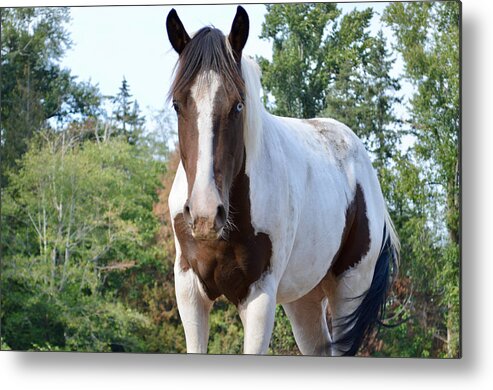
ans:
(254, 109)
(208, 51)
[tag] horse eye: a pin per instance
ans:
(176, 107)
(239, 106)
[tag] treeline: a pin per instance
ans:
(82, 266)
(87, 248)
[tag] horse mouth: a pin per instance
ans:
(208, 229)
(209, 235)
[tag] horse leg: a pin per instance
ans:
(194, 307)
(257, 313)
(308, 317)
(342, 303)
(350, 316)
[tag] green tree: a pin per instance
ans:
(327, 63)
(85, 221)
(428, 39)
(298, 75)
(127, 116)
(81, 262)
(363, 95)
(427, 36)
(416, 293)
(34, 86)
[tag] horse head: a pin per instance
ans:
(208, 96)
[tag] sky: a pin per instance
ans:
(110, 43)
(115, 42)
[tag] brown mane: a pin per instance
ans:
(209, 50)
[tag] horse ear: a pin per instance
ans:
(239, 32)
(176, 32)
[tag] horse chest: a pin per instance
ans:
(225, 267)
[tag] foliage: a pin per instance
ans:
(81, 261)
(428, 39)
(295, 76)
(126, 115)
(282, 342)
(226, 331)
(34, 86)
(427, 36)
(363, 95)
(88, 218)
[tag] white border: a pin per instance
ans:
(473, 371)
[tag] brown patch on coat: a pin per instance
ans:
(355, 240)
(228, 147)
(228, 266)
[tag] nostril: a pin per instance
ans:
(220, 217)
(187, 215)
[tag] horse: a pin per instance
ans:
(268, 210)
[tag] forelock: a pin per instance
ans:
(208, 52)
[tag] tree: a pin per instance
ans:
(298, 75)
(85, 212)
(34, 87)
(428, 39)
(81, 261)
(161, 132)
(363, 95)
(127, 116)
(427, 36)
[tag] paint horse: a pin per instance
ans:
(269, 210)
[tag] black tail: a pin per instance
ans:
(372, 308)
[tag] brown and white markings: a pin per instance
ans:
(269, 210)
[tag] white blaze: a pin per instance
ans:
(205, 197)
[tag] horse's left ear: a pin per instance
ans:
(239, 32)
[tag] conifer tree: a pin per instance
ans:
(127, 115)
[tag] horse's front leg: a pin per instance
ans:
(257, 313)
(194, 307)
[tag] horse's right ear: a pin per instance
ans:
(176, 32)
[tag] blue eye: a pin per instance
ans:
(239, 106)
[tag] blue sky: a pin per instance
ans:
(110, 43)
(113, 42)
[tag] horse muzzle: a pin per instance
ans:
(206, 228)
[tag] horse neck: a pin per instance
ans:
(262, 131)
